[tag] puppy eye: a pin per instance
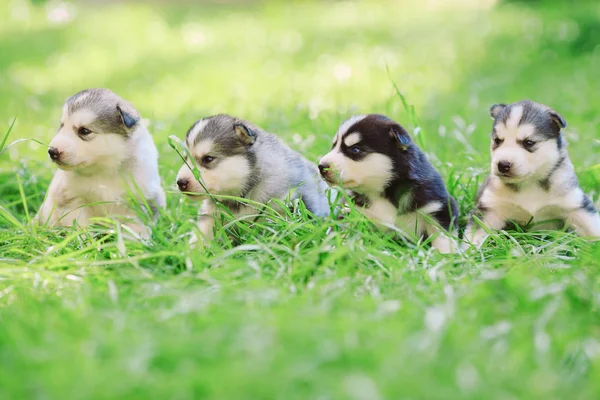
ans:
(498, 141)
(528, 143)
(83, 131)
(207, 159)
(355, 150)
(61, 126)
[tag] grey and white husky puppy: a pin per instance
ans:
(104, 155)
(237, 158)
(532, 179)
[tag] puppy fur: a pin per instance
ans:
(532, 180)
(390, 179)
(104, 154)
(237, 158)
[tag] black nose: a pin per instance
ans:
(54, 153)
(323, 168)
(504, 166)
(182, 184)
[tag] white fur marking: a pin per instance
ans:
(82, 117)
(514, 118)
(199, 127)
(203, 148)
(348, 123)
(351, 139)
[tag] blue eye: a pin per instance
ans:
(354, 149)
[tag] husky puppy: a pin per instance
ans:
(390, 179)
(237, 158)
(104, 155)
(532, 178)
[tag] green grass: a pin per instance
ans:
(283, 309)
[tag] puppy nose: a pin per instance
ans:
(182, 184)
(54, 153)
(323, 168)
(504, 166)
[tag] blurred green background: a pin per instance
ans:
(297, 313)
(298, 68)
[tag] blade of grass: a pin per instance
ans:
(10, 128)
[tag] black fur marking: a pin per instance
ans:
(560, 142)
(253, 177)
(128, 120)
(361, 200)
(545, 183)
(558, 120)
(447, 216)
(401, 136)
(413, 173)
(587, 205)
(540, 117)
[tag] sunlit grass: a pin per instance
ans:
(288, 306)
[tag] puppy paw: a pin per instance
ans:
(445, 245)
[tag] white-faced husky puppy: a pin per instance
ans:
(532, 179)
(390, 179)
(237, 158)
(104, 155)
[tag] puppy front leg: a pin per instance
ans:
(584, 222)
(444, 243)
(381, 212)
(47, 212)
(205, 225)
(476, 232)
(50, 211)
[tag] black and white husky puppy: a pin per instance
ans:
(390, 179)
(237, 158)
(532, 179)
(105, 155)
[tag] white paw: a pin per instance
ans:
(445, 245)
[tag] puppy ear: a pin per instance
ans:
(246, 135)
(129, 120)
(401, 137)
(558, 120)
(496, 109)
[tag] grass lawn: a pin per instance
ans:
(284, 309)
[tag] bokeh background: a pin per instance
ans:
(298, 68)
(296, 311)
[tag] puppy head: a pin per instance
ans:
(94, 129)
(222, 147)
(526, 141)
(366, 149)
